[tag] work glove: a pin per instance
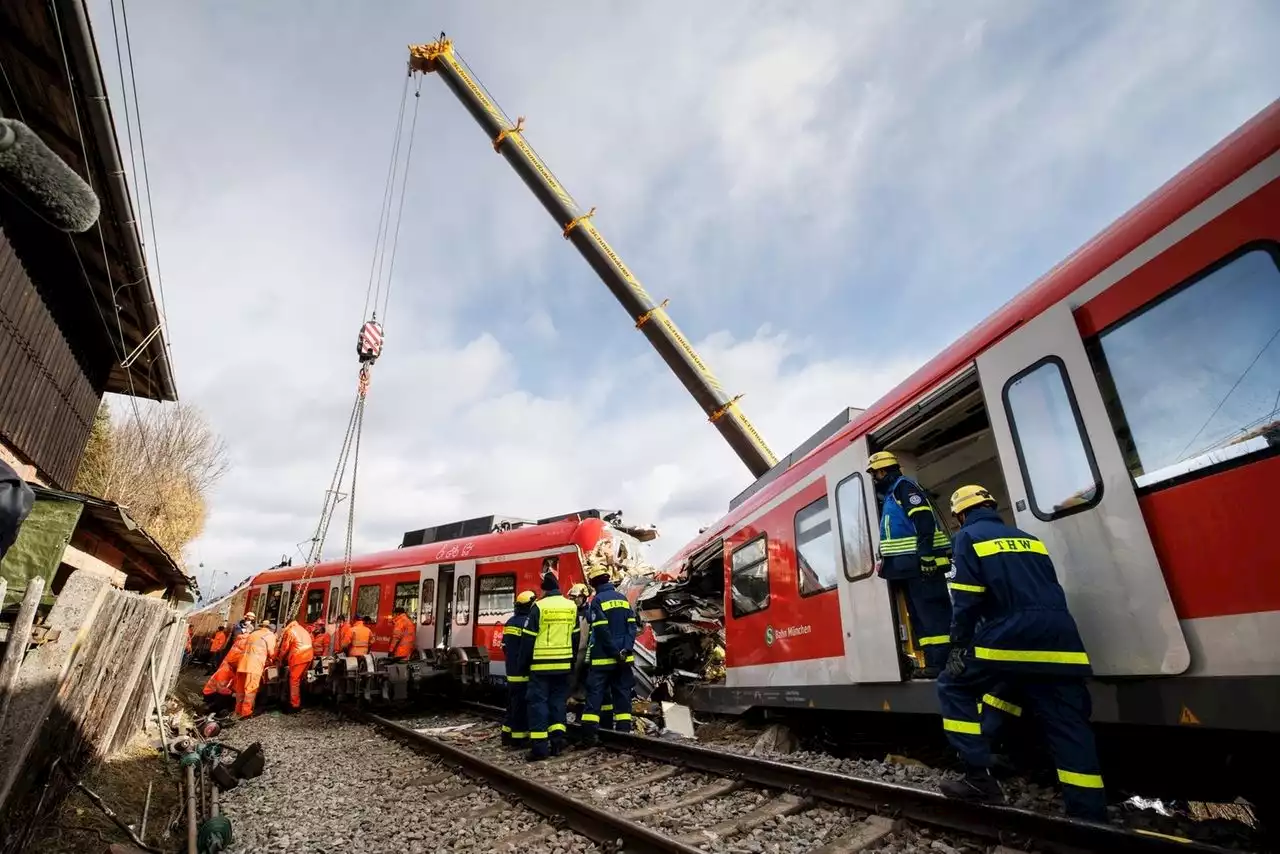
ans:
(928, 565)
(955, 662)
(622, 657)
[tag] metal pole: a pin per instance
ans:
(191, 809)
(19, 638)
(146, 808)
(155, 696)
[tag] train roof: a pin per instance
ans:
(1245, 148)
(584, 533)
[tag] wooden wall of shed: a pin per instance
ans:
(82, 696)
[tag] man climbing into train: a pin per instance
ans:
(610, 655)
(915, 554)
(515, 729)
(550, 657)
(295, 653)
(1011, 630)
(403, 635)
(260, 646)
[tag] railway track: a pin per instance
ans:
(642, 794)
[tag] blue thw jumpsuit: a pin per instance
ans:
(515, 730)
(549, 653)
(610, 656)
(1011, 618)
(914, 552)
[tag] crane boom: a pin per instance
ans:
(650, 319)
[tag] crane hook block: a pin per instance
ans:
(369, 347)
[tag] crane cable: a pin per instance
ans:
(369, 347)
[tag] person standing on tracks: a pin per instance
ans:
(245, 625)
(343, 635)
(403, 635)
(550, 656)
(915, 554)
(216, 646)
(515, 729)
(295, 653)
(319, 639)
(221, 685)
(361, 638)
(579, 594)
(258, 650)
(610, 655)
(1011, 628)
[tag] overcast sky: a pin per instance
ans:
(827, 192)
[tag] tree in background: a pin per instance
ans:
(160, 463)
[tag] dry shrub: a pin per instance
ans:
(159, 462)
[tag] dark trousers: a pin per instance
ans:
(1061, 707)
(548, 696)
(609, 698)
(515, 729)
(929, 609)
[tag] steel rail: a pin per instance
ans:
(598, 825)
(1004, 824)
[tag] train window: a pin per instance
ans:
(1057, 463)
(406, 597)
(367, 597)
(428, 601)
(1191, 381)
(855, 530)
(816, 569)
(272, 610)
(315, 604)
(749, 577)
(462, 601)
(346, 599)
(497, 595)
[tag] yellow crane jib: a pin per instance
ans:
(579, 229)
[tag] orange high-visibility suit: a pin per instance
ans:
(319, 640)
(219, 641)
(223, 679)
(403, 633)
(344, 637)
(361, 639)
(296, 652)
(259, 649)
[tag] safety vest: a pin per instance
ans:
(898, 534)
(553, 642)
(296, 644)
(361, 636)
(219, 641)
(402, 636)
(320, 645)
(259, 648)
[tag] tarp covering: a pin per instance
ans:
(41, 542)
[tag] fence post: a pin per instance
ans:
(19, 638)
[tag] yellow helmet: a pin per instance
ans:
(579, 589)
(525, 597)
(881, 460)
(595, 570)
(970, 496)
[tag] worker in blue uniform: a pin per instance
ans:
(1011, 632)
(515, 729)
(915, 554)
(548, 652)
(610, 656)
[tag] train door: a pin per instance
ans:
(464, 597)
(282, 614)
(270, 610)
(444, 607)
(1070, 487)
(426, 617)
(866, 609)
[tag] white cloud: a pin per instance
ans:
(827, 195)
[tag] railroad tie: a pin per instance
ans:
(713, 789)
(432, 779)
(582, 773)
(451, 794)
(861, 837)
(664, 773)
(521, 838)
(782, 805)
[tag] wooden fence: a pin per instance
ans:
(103, 655)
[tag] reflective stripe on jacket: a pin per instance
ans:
(513, 644)
(551, 623)
(897, 530)
(613, 627)
(402, 636)
(361, 638)
(295, 644)
(259, 649)
(1007, 602)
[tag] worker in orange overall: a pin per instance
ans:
(361, 638)
(296, 653)
(216, 646)
(258, 650)
(344, 635)
(186, 652)
(403, 634)
(221, 684)
(319, 640)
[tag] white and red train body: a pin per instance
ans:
(1125, 410)
(459, 591)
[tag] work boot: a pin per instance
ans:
(926, 673)
(1001, 767)
(536, 757)
(589, 739)
(978, 785)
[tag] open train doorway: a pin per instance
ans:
(444, 607)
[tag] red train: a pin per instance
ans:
(1125, 409)
(460, 589)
